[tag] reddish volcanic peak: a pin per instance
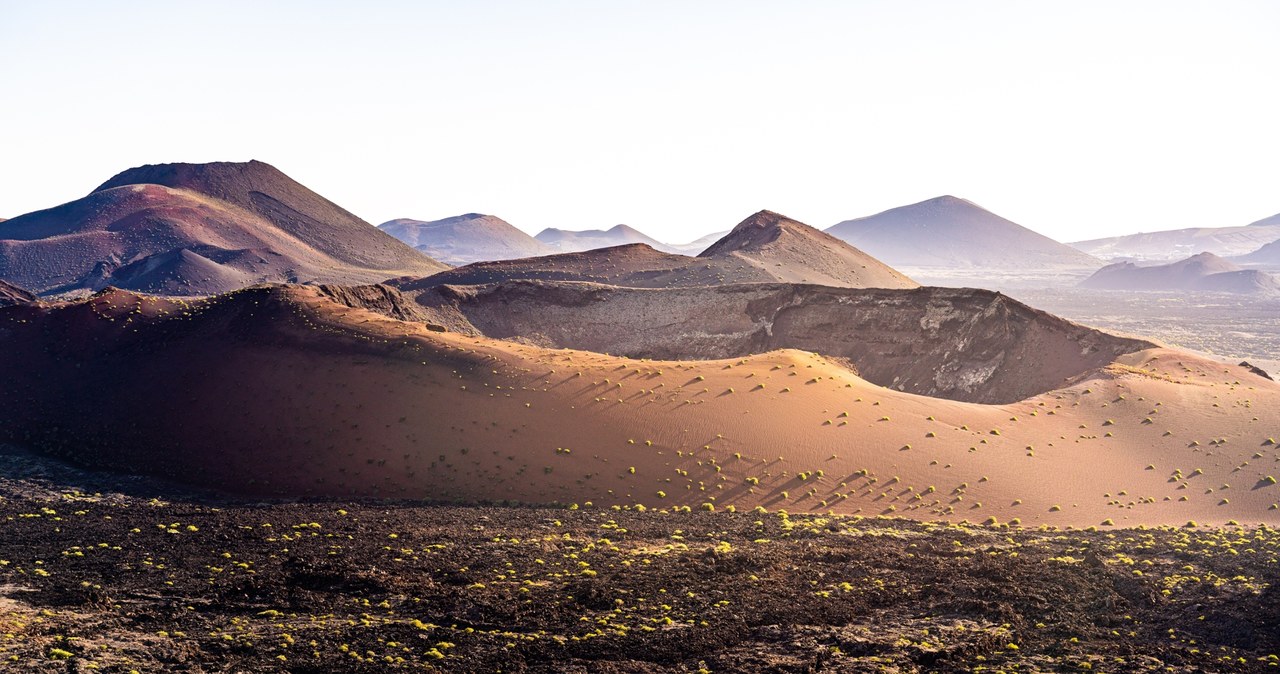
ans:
(195, 229)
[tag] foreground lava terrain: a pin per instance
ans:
(118, 583)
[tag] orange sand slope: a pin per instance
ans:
(278, 390)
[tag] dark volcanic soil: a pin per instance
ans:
(121, 583)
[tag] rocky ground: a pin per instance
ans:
(97, 575)
(1240, 327)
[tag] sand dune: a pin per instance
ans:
(195, 229)
(281, 390)
(764, 248)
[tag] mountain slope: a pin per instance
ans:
(281, 391)
(764, 248)
(464, 239)
(247, 221)
(11, 294)
(791, 251)
(950, 232)
(1203, 272)
(1267, 256)
(1270, 221)
(575, 241)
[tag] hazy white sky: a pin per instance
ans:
(1078, 119)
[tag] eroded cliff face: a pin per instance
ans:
(961, 344)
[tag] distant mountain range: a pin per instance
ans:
(953, 233)
(571, 241)
(1202, 272)
(1176, 244)
(196, 229)
(766, 247)
(464, 239)
(473, 237)
(192, 229)
(1267, 256)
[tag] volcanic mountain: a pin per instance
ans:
(1203, 272)
(1176, 244)
(197, 229)
(464, 239)
(574, 241)
(284, 391)
(791, 251)
(949, 232)
(764, 248)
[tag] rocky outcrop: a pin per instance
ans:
(962, 344)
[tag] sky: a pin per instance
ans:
(1078, 119)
